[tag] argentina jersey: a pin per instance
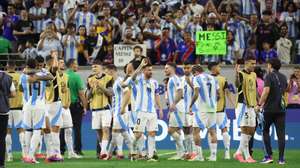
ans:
(188, 93)
(118, 96)
(173, 86)
(33, 93)
(146, 92)
(208, 88)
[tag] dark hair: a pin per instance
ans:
(97, 62)
(138, 47)
(249, 58)
(187, 63)
(267, 12)
(11, 63)
(275, 63)
(70, 62)
(259, 72)
(197, 68)
(283, 25)
(294, 6)
(71, 25)
(84, 28)
(40, 59)
(31, 63)
(48, 58)
(211, 65)
(172, 64)
(111, 67)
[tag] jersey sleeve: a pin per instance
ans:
(195, 83)
(178, 83)
(156, 88)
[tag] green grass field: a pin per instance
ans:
(90, 161)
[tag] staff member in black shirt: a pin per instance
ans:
(273, 103)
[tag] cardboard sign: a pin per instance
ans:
(123, 53)
(211, 42)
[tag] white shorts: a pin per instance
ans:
(187, 120)
(146, 121)
(101, 119)
(34, 116)
(222, 120)
(176, 119)
(55, 113)
(204, 120)
(132, 117)
(66, 118)
(245, 116)
(121, 122)
(15, 119)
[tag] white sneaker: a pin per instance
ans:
(227, 155)
(74, 156)
(212, 158)
(9, 158)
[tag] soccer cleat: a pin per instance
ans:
(9, 158)
(155, 156)
(103, 156)
(54, 158)
(227, 155)
(29, 160)
(267, 160)
(250, 160)
(212, 158)
(239, 157)
(281, 162)
(119, 157)
(196, 158)
(40, 156)
(74, 156)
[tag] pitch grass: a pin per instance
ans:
(90, 161)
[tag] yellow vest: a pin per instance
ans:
(249, 88)
(63, 90)
(99, 100)
(16, 102)
(221, 101)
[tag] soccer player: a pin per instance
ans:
(99, 92)
(245, 113)
(67, 124)
(205, 96)
(187, 98)
(175, 93)
(33, 86)
(15, 115)
(147, 98)
(222, 120)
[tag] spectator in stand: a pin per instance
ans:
(30, 51)
(59, 23)
(8, 23)
(252, 26)
(233, 52)
(151, 33)
(49, 41)
(289, 16)
(268, 5)
(297, 46)
(167, 22)
(251, 50)
(165, 47)
(294, 89)
(249, 7)
(70, 42)
(186, 50)
(104, 28)
(180, 23)
(267, 53)
(284, 45)
(23, 30)
(82, 35)
(267, 31)
(128, 37)
(5, 45)
(114, 23)
(38, 14)
(194, 26)
(195, 8)
(82, 16)
(136, 34)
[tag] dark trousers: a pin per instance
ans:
(76, 113)
(3, 131)
(278, 119)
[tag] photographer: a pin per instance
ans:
(294, 89)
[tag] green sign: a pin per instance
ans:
(211, 43)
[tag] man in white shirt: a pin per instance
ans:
(283, 45)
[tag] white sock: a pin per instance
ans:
(128, 140)
(194, 148)
(40, 146)
(241, 145)
(189, 143)
(226, 140)
(119, 143)
(35, 140)
(8, 142)
(104, 144)
(135, 144)
(48, 144)
(199, 151)
(213, 149)
(209, 140)
(69, 140)
(151, 146)
(56, 142)
(22, 141)
(113, 142)
(178, 141)
(246, 146)
(141, 144)
(28, 135)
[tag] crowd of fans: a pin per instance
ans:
(87, 30)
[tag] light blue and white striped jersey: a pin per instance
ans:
(193, 28)
(208, 87)
(230, 54)
(170, 25)
(150, 43)
(291, 21)
(117, 97)
(174, 84)
(241, 31)
(146, 92)
(70, 50)
(87, 19)
(33, 92)
(38, 24)
(57, 21)
(248, 7)
(188, 94)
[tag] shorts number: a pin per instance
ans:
(246, 115)
(138, 121)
